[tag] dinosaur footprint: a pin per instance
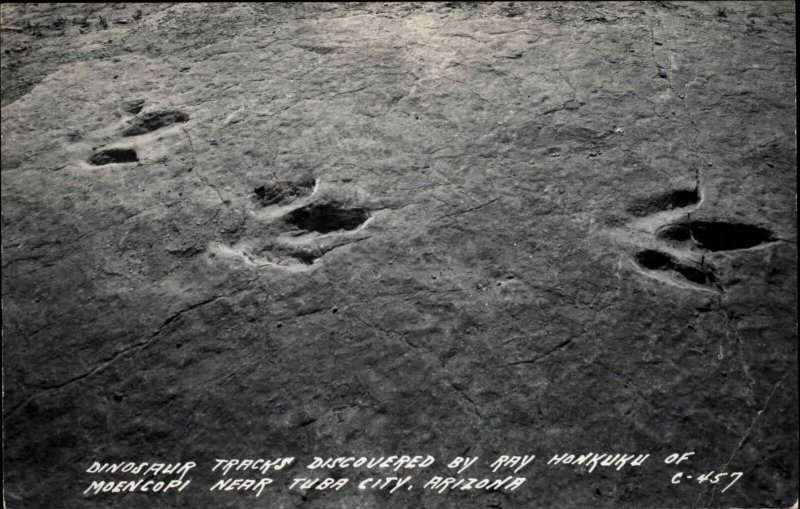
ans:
(311, 227)
(140, 124)
(682, 261)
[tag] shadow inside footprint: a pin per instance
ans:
(282, 193)
(114, 155)
(651, 259)
(717, 235)
(328, 217)
(677, 232)
(305, 257)
(133, 107)
(665, 201)
(154, 120)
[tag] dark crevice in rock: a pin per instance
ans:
(283, 192)
(186, 252)
(655, 260)
(327, 217)
(114, 155)
(152, 121)
(666, 201)
(321, 50)
(717, 235)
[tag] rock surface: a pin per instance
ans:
(318, 229)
